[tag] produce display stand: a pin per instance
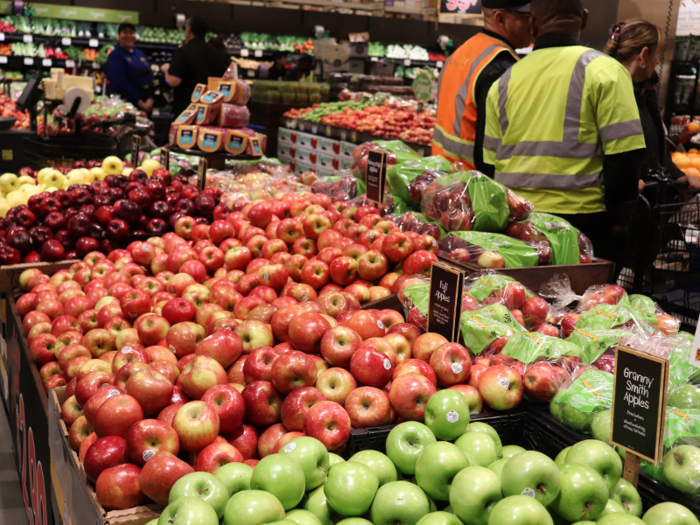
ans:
(270, 117)
(581, 276)
(80, 500)
(215, 161)
(390, 302)
(556, 436)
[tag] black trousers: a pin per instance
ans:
(607, 244)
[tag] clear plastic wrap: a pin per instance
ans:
(233, 116)
(446, 200)
(340, 187)
(588, 392)
(418, 223)
(493, 250)
(242, 94)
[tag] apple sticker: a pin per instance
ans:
(172, 349)
(528, 492)
(289, 447)
(113, 393)
(387, 364)
(380, 324)
(457, 368)
(504, 382)
(452, 416)
(148, 454)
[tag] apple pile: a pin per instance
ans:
(69, 223)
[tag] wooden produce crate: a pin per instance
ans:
(581, 276)
(80, 504)
(390, 302)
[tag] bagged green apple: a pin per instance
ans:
(587, 393)
(607, 316)
(568, 245)
(528, 347)
(681, 370)
(682, 427)
(492, 250)
(654, 314)
(484, 334)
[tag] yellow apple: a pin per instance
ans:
(112, 165)
(98, 173)
(54, 178)
(16, 198)
(74, 177)
(27, 179)
(8, 182)
(149, 165)
(4, 208)
(127, 171)
(42, 173)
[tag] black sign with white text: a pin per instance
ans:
(445, 306)
(639, 403)
(376, 175)
(135, 150)
(202, 172)
(165, 158)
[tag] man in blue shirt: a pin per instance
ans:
(129, 72)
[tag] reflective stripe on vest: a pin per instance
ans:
(455, 133)
(568, 148)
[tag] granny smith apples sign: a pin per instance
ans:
(423, 86)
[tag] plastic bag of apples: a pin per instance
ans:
(585, 394)
(568, 245)
(493, 250)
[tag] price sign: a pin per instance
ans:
(314, 129)
(439, 64)
(251, 73)
(258, 53)
(445, 301)
(66, 41)
(46, 62)
(406, 63)
(3, 60)
(95, 65)
(375, 179)
(93, 42)
(374, 59)
(245, 53)
(423, 86)
(2, 37)
(70, 63)
(328, 131)
(202, 173)
(27, 39)
(165, 158)
(135, 150)
(28, 61)
(343, 135)
(640, 389)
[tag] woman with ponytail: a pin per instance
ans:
(636, 44)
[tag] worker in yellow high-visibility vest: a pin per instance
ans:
(563, 130)
(467, 76)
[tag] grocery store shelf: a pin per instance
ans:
(13, 60)
(374, 6)
(83, 42)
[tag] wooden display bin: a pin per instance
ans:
(80, 501)
(581, 276)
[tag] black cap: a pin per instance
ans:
(521, 6)
(126, 25)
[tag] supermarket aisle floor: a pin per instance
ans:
(11, 507)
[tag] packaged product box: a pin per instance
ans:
(227, 88)
(212, 98)
(213, 83)
(328, 162)
(236, 141)
(325, 172)
(186, 137)
(206, 113)
(210, 139)
(199, 90)
(306, 140)
(256, 145)
(346, 149)
(284, 151)
(172, 134)
(284, 135)
(329, 146)
(233, 116)
(307, 156)
(191, 107)
(186, 118)
(345, 163)
(301, 167)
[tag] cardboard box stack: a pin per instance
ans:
(306, 151)
(216, 120)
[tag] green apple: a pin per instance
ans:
(354, 521)
(531, 474)
(317, 504)
(601, 424)
(561, 457)
(431, 502)
(497, 466)
(312, 456)
(236, 476)
(283, 522)
(619, 518)
(252, 507)
(152, 522)
(685, 396)
(406, 442)
(201, 485)
(447, 414)
(379, 463)
(576, 419)
(627, 496)
(480, 446)
(350, 488)
(669, 514)
(282, 477)
(583, 493)
(436, 467)
(440, 518)
(449, 509)
(612, 507)
(399, 503)
(302, 517)
(519, 510)
(511, 450)
(188, 510)
(680, 468)
(478, 426)
(334, 458)
(584, 523)
(601, 457)
(555, 408)
(474, 493)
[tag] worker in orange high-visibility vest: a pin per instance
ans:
(468, 75)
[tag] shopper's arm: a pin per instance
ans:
(175, 70)
(116, 71)
(172, 80)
